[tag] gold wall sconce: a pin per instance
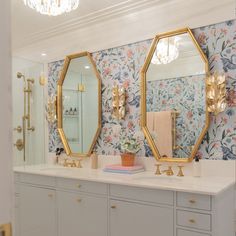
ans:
(118, 102)
(216, 93)
(51, 109)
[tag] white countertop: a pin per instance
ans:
(201, 185)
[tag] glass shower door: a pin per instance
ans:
(33, 152)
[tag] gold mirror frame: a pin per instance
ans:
(143, 97)
(60, 104)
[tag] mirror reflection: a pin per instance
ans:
(176, 96)
(80, 106)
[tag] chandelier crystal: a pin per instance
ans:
(52, 7)
(166, 51)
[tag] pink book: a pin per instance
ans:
(127, 168)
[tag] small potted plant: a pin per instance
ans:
(129, 146)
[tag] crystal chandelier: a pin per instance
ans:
(52, 7)
(166, 51)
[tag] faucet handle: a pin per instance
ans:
(73, 164)
(158, 171)
(180, 173)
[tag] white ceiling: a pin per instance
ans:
(26, 22)
(100, 24)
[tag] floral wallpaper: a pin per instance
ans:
(187, 96)
(122, 65)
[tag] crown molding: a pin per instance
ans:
(96, 17)
(123, 25)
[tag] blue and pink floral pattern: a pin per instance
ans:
(122, 65)
(187, 96)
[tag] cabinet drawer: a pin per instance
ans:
(38, 180)
(141, 194)
(181, 232)
(82, 185)
(194, 201)
(194, 220)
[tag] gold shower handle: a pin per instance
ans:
(19, 144)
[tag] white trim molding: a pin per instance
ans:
(121, 24)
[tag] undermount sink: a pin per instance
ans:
(159, 178)
(56, 169)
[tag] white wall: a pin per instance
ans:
(6, 115)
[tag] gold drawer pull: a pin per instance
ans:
(79, 186)
(79, 200)
(192, 221)
(113, 207)
(192, 201)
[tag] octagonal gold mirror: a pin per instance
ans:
(174, 111)
(79, 105)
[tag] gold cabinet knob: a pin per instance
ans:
(192, 221)
(192, 201)
(50, 195)
(79, 186)
(113, 207)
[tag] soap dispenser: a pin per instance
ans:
(197, 167)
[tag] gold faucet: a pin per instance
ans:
(169, 171)
(73, 164)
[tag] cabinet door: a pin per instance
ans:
(133, 219)
(81, 214)
(37, 211)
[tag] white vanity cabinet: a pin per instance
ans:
(139, 211)
(82, 208)
(37, 211)
(130, 218)
(59, 206)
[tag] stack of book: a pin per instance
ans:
(116, 168)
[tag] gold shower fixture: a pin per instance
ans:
(216, 93)
(118, 102)
(21, 144)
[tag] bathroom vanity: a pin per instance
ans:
(56, 201)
